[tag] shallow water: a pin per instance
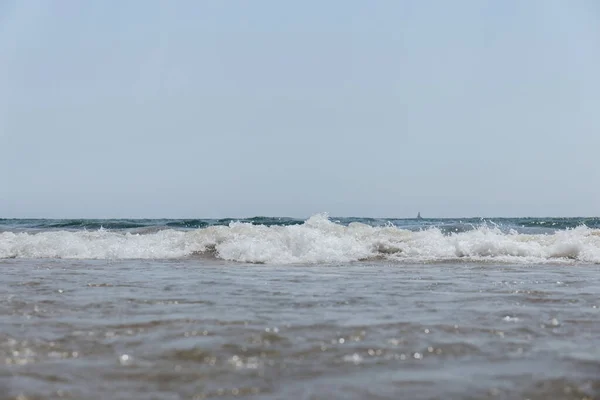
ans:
(204, 328)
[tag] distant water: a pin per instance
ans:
(276, 308)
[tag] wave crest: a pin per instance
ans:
(317, 240)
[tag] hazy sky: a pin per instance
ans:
(241, 108)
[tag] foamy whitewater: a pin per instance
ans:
(319, 239)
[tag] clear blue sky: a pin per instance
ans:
(363, 108)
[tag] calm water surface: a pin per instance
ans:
(204, 328)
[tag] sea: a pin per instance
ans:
(283, 308)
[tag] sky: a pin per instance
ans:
(208, 109)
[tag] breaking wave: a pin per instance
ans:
(317, 240)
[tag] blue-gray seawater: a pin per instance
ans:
(280, 308)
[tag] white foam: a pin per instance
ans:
(318, 240)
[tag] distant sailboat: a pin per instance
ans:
(419, 215)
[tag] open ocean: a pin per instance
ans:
(279, 308)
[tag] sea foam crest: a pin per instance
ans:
(318, 240)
